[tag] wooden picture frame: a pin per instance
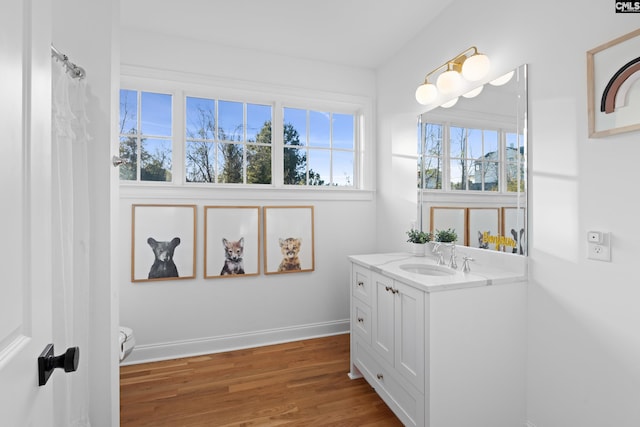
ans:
(163, 242)
(482, 224)
(288, 239)
(514, 227)
(443, 218)
(613, 71)
(231, 241)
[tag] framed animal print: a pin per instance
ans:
(288, 239)
(163, 242)
(231, 241)
(514, 227)
(484, 228)
(444, 218)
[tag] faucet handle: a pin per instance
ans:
(465, 264)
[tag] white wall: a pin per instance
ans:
(174, 318)
(85, 32)
(583, 318)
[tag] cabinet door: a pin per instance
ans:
(383, 315)
(409, 332)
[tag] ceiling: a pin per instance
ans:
(360, 33)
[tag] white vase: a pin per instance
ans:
(418, 249)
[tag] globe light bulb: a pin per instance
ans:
(426, 93)
(504, 79)
(474, 92)
(449, 81)
(450, 103)
(476, 67)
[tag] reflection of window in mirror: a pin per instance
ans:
(473, 158)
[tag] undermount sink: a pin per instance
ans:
(428, 270)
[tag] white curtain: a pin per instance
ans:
(71, 287)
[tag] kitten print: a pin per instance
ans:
(163, 266)
(290, 248)
(481, 243)
(233, 253)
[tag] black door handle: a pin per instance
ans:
(47, 362)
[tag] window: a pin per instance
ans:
(230, 141)
(319, 148)
(145, 136)
(474, 159)
(433, 156)
(471, 159)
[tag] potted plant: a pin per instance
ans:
(446, 236)
(418, 239)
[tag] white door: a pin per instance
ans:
(25, 211)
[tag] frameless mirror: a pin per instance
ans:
(472, 167)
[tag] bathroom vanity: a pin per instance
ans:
(443, 348)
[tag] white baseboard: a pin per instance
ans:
(188, 348)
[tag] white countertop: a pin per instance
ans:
(482, 273)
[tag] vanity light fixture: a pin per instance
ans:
(470, 65)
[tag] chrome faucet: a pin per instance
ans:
(452, 260)
(465, 264)
(436, 250)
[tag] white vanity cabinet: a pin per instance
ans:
(446, 358)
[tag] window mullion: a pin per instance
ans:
(503, 160)
(277, 145)
(446, 157)
(178, 138)
(139, 137)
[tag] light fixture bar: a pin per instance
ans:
(470, 64)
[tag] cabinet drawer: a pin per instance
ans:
(406, 402)
(361, 322)
(361, 283)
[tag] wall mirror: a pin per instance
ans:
(472, 163)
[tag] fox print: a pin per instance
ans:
(290, 248)
(233, 253)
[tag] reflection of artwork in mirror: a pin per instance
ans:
(513, 226)
(613, 72)
(444, 218)
(484, 228)
(231, 241)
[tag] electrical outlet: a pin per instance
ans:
(599, 248)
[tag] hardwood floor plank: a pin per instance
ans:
(303, 383)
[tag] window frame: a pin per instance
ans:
(277, 97)
(446, 157)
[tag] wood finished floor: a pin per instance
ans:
(303, 383)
